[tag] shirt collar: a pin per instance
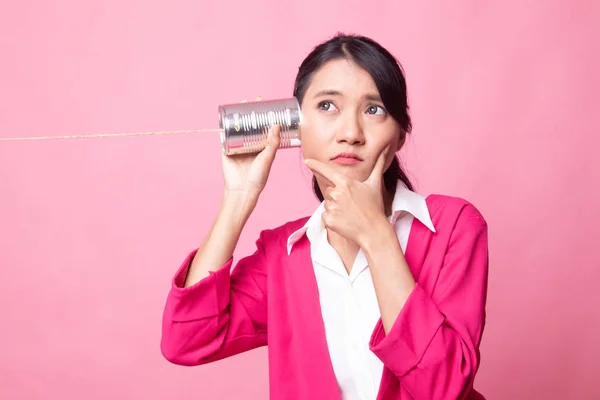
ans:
(405, 201)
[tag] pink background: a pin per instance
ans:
(505, 104)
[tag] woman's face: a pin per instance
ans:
(345, 123)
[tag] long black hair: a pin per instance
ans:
(388, 75)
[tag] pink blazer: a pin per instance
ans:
(431, 352)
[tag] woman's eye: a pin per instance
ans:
(327, 106)
(375, 110)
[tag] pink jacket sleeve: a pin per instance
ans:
(222, 315)
(433, 346)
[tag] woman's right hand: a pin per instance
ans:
(245, 178)
(247, 174)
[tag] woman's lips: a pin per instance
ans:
(347, 159)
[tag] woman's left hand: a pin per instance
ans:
(352, 208)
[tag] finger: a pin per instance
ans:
(329, 221)
(378, 169)
(259, 98)
(274, 136)
(244, 101)
(325, 171)
(273, 140)
(326, 219)
(329, 192)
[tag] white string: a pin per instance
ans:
(101, 135)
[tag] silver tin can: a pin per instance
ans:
(244, 126)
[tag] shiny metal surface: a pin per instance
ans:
(244, 126)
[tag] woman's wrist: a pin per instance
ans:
(238, 205)
(380, 234)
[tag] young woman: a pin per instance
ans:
(380, 294)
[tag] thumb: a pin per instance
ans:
(273, 141)
(274, 137)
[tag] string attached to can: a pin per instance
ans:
(243, 127)
(100, 135)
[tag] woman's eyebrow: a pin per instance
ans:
(331, 92)
(328, 92)
(373, 97)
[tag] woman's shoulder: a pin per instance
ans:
(446, 211)
(281, 233)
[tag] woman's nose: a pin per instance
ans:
(351, 131)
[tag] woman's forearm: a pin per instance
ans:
(218, 246)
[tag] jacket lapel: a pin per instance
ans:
(307, 313)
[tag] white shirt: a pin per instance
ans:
(348, 301)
